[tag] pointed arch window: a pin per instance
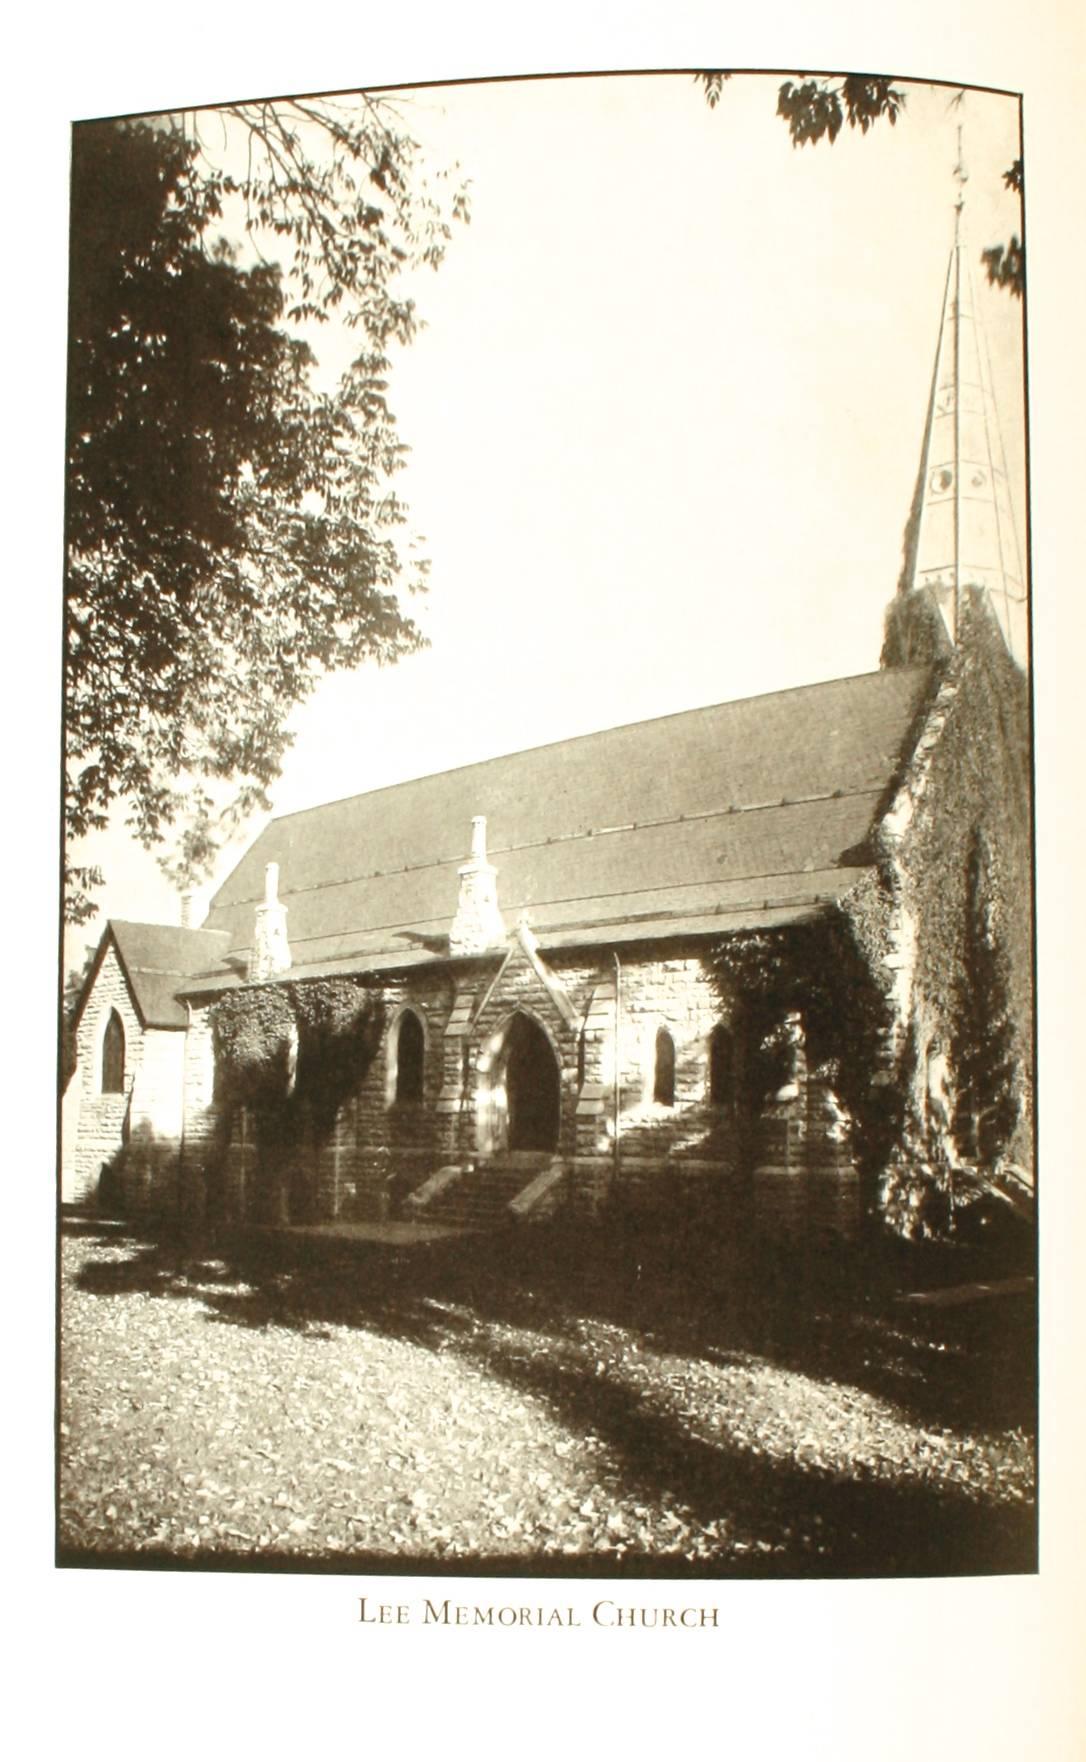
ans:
(663, 1076)
(113, 1056)
(410, 1058)
(721, 1067)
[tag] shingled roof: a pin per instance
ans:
(158, 959)
(741, 814)
(751, 812)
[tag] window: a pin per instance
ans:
(721, 1067)
(410, 1058)
(663, 1081)
(113, 1056)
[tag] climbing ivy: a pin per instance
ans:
(253, 1030)
(826, 972)
(967, 880)
(291, 1051)
(295, 1045)
(339, 1029)
(962, 873)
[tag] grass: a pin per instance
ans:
(632, 1402)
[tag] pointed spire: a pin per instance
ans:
(962, 534)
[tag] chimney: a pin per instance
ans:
(186, 911)
(270, 953)
(478, 924)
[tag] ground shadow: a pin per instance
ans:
(838, 1319)
(840, 1315)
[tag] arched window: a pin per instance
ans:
(663, 1079)
(721, 1067)
(113, 1056)
(410, 1058)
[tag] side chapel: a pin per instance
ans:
(544, 949)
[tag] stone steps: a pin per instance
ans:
(480, 1197)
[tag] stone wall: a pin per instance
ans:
(362, 1164)
(307, 1167)
(95, 1125)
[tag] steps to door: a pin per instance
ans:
(479, 1197)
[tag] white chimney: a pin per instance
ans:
(270, 954)
(478, 924)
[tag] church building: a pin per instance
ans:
(772, 955)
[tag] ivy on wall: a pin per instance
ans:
(828, 973)
(963, 873)
(252, 1032)
(340, 1023)
(292, 1052)
(967, 878)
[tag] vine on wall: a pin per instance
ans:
(966, 873)
(958, 1092)
(252, 1031)
(827, 972)
(292, 1052)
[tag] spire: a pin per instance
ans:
(962, 533)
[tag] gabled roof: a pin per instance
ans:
(156, 959)
(750, 812)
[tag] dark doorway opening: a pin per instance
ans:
(533, 1087)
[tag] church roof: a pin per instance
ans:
(157, 958)
(740, 814)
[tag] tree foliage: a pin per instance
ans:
(231, 530)
(1006, 264)
(818, 109)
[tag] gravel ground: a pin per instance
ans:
(210, 1418)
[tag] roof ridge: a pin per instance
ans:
(593, 734)
(581, 836)
(154, 924)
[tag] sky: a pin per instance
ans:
(665, 418)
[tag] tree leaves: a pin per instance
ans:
(1006, 266)
(713, 82)
(817, 108)
(231, 532)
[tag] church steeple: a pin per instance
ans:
(961, 541)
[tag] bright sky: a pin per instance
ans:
(665, 417)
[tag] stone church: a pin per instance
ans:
(552, 951)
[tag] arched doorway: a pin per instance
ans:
(533, 1087)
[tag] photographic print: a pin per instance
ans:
(548, 1039)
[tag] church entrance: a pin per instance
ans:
(533, 1087)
